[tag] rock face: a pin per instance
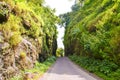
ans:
(23, 36)
(12, 59)
(4, 12)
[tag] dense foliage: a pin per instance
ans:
(93, 31)
(60, 52)
(27, 33)
(103, 68)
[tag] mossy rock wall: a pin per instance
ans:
(93, 30)
(27, 33)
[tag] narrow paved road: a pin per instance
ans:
(64, 69)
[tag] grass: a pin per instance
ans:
(105, 69)
(38, 70)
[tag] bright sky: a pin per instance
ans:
(61, 6)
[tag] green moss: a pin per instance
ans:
(15, 39)
(93, 35)
(92, 29)
(30, 20)
(34, 31)
(22, 55)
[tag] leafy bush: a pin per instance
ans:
(102, 68)
(60, 52)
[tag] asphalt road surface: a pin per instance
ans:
(64, 69)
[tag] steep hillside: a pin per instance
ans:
(93, 30)
(27, 33)
(92, 36)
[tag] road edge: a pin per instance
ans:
(49, 69)
(91, 74)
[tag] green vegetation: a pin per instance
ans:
(37, 71)
(15, 39)
(103, 68)
(28, 34)
(22, 55)
(93, 31)
(60, 52)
